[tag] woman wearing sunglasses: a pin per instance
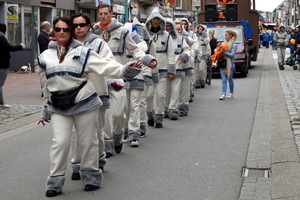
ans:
(70, 99)
(83, 33)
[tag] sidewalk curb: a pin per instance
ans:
(19, 122)
(257, 186)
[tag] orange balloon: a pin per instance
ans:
(292, 41)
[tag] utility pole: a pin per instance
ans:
(126, 11)
(295, 13)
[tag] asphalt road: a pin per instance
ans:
(198, 157)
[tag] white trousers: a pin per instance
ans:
(203, 70)
(132, 122)
(197, 71)
(172, 93)
(280, 55)
(86, 125)
(185, 89)
(115, 116)
(146, 104)
(75, 150)
(160, 96)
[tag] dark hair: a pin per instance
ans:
(71, 26)
(3, 28)
(85, 16)
(104, 5)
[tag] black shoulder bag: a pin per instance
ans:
(222, 63)
(64, 100)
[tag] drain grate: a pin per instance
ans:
(256, 173)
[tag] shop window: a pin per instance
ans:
(30, 26)
(23, 33)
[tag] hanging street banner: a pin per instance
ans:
(12, 14)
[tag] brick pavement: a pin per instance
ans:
(22, 91)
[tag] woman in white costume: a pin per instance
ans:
(71, 99)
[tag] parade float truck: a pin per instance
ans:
(237, 15)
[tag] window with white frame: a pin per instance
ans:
(178, 4)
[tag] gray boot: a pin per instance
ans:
(102, 162)
(143, 129)
(202, 83)
(109, 147)
(197, 84)
(75, 171)
(174, 114)
(159, 121)
(150, 118)
(91, 178)
(118, 142)
(166, 113)
(55, 183)
(183, 110)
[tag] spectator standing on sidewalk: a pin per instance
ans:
(5, 49)
(43, 38)
(281, 40)
(267, 39)
(213, 45)
(227, 73)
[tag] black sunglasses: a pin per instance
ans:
(65, 29)
(81, 25)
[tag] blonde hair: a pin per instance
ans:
(233, 34)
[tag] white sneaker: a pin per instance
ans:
(230, 96)
(223, 97)
(134, 143)
(5, 105)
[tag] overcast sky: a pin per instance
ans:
(267, 5)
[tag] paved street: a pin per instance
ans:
(209, 165)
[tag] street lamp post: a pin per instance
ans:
(197, 8)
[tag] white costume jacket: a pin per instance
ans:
(79, 61)
(164, 47)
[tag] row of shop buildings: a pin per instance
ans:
(23, 18)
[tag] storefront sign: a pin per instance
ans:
(12, 15)
(119, 9)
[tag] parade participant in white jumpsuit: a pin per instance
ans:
(193, 35)
(182, 53)
(83, 34)
(186, 83)
(134, 88)
(203, 54)
(70, 99)
(163, 43)
(119, 41)
(150, 77)
(281, 39)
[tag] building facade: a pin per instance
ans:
(23, 18)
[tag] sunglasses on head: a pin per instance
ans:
(155, 20)
(80, 24)
(65, 29)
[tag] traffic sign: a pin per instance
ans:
(191, 19)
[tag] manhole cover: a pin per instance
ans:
(252, 173)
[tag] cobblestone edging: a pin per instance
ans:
(290, 82)
(17, 112)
